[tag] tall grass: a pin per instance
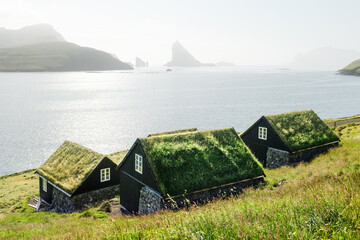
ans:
(316, 200)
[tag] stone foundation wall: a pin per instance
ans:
(311, 153)
(276, 158)
(63, 203)
(204, 196)
(149, 201)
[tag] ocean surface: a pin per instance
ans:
(107, 111)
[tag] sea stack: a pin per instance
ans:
(182, 58)
(140, 63)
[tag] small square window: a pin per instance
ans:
(44, 185)
(105, 174)
(138, 163)
(263, 133)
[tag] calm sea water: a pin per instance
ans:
(107, 111)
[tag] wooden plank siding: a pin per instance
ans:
(92, 182)
(259, 146)
(46, 196)
(131, 181)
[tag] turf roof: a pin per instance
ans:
(117, 157)
(186, 162)
(301, 130)
(69, 166)
(174, 132)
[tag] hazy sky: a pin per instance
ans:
(245, 32)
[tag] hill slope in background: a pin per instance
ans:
(352, 69)
(326, 58)
(57, 56)
(28, 35)
(182, 58)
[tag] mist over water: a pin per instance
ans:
(107, 111)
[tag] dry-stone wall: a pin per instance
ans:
(149, 201)
(276, 158)
(63, 203)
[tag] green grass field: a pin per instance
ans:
(316, 200)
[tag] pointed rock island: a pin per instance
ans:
(40, 48)
(182, 58)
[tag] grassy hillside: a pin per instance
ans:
(352, 69)
(57, 56)
(316, 200)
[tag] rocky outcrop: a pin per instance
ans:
(182, 58)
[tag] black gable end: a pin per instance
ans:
(259, 146)
(93, 181)
(131, 181)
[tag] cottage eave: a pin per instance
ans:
(314, 147)
(221, 186)
(54, 185)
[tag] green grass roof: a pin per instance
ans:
(117, 157)
(70, 165)
(301, 130)
(199, 160)
(174, 132)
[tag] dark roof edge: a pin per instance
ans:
(252, 125)
(53, 184)
(289, 112)
(128, 153)
(224, 185)
(322, 145)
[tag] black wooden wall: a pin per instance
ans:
(47, 196)
(93, 180)
(131, 181)
(259, 146)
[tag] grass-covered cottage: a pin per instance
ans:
(164, 168)
(75, 177)
(282, 139)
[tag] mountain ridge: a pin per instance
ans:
(59, 56)
(40, 47)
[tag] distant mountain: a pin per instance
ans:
(41, 48)
(34, 34)
(326, 58)
(182, 58)
(352, 69)
(57, 56)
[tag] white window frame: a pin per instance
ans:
(263, 133)
(105, 174)
(138, 163)
(44, 185)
